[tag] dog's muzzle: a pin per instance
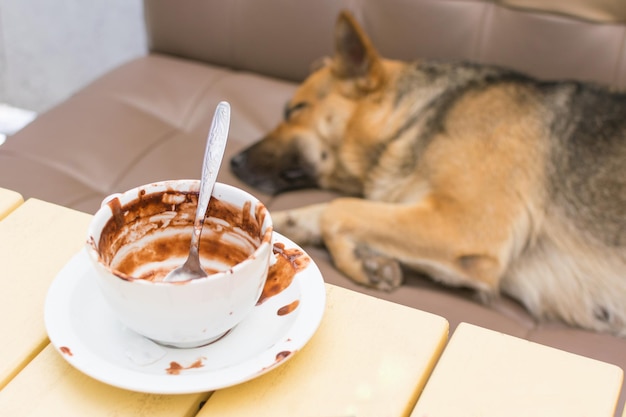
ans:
(271, 171)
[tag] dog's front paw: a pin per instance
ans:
(301, 230)
(382, 272)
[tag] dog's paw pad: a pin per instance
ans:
(382, 272)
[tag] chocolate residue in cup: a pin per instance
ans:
(116, 208)
(280, 275)
(176, 368)
(163, 222)
(159, 251)
(284, 310)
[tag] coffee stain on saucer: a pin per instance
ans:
(289, 261)
(176, 368)
(284, 310)
(280, 356)
(66, 351)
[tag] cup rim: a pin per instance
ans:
(91, 244)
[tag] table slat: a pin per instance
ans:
(38, 238)
(49, 386)
(9, 201)
(368, 358)
(490, 374)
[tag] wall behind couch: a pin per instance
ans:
(49, 49)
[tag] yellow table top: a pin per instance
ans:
(36, 240)
(9, 201)
(361, 361)
(368, 358)
(490, 374)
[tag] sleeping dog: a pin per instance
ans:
(477, 176)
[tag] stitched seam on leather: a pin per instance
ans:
(193, 103)
(142, 155)
(3, 59)
(87, 196)
(48, 163)
(186, 114)
(79, 177)
(234, 28)
(621, 60)
(486, 18)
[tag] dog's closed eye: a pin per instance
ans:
(290, 109)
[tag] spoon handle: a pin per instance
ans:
(213, 154)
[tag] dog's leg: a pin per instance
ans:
(369, 240)
(302, 225)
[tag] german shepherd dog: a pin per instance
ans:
(477, 176)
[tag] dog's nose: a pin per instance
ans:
(238, 160)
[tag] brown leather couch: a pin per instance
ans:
(148, 119)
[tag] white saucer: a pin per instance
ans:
(84, 330)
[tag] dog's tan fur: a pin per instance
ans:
(458, 176)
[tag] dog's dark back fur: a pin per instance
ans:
(589, 160)
(587, 168)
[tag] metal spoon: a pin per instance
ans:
(216, 142)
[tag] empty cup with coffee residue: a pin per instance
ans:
(137, 237)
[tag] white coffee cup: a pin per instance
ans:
(136, 237)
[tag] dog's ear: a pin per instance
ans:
(355, 56)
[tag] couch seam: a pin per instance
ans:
(186, 113)
(77, 176)
(93, 193)
(119, 99)
(193, 103)
(234, 27)
(46, 162)
(621, 59)
(3, 60)
(164, 138)
(485, 19)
